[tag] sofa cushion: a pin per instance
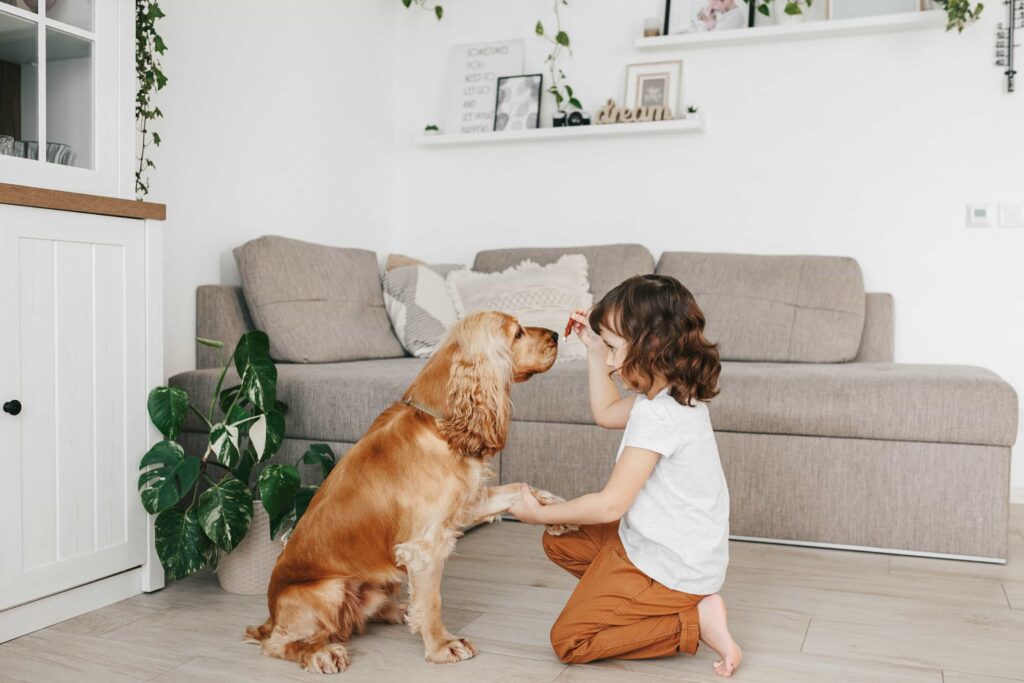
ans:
(607, 265)
(326, 401)
(419, 307)
(538, 296)
(933, 403)
(318, 304)
(807, 309)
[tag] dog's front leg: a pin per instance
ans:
(424, 561)
(496, 500)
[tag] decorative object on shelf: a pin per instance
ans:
(702, 16)
(791, 11)
(250, 430)
(691, 111)
(473, 71)
(613, 113)
(518, 102)
(431, 129)
(652, 27)
(657, 84)
(959, 13)
(855, 9)
(149, 48)
(437, 10)
(559, 45)
(33, 5)
(1005, 35)
(572, 118)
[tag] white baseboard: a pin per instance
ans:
(1017, 495)
(32, 616)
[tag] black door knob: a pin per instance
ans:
(13, 407)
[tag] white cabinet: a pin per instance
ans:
(80, 320)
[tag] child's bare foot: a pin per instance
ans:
(714, 631)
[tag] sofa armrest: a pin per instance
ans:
(221, 314)
(878, 341)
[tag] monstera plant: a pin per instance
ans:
(249, 429)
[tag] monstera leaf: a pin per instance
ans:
(167, 409)
(180, 543)
(258, 373)
(320, 454)
(278, 485)
(225, 511)
(167, 483)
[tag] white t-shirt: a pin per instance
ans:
(677, 529)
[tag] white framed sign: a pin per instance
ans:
(473, 72)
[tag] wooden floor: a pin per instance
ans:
(800, 614)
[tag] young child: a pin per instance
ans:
(653, 544)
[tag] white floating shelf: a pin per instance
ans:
(908, 21)
(693, 124)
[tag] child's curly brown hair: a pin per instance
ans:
(664, 329)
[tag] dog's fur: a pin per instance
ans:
(398, 500)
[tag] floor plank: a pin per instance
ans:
(51, 655)
(943, 644)
(958, 677)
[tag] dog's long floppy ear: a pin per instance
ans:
(479, 407)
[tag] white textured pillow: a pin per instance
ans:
(419, 307)
(539, 296)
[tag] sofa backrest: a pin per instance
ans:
(805, 309)
(607, 264)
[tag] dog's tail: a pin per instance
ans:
(257, 634)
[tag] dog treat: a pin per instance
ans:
(568, 327)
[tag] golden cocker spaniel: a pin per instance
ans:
(398, 500)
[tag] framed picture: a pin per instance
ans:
(657, 84)
(702, 16)
(472, 77)
(517, 106)
(853, 9)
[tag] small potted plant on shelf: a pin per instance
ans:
(431, 129)
(195, 530)
(691, 112)
(791, 11)
(565, 100)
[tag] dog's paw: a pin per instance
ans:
(330, 659)
(559, 529)
(455, 650)
(546, 497)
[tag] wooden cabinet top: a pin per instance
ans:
(22, 195)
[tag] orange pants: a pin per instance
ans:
(616, 609)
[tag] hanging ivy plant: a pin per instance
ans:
(560, 44)
(959, 13)
(149, 48)
(436, 9)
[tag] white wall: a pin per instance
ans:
(278, 119)
(865, 146)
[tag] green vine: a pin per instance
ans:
(149, 47)
(960, 13)
(436, 9)
(559, 45)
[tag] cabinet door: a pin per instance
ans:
(72, 351)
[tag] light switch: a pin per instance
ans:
(979, 216)
(1011, 215)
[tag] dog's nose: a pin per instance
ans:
(554, 335)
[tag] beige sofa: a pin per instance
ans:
(824, 440)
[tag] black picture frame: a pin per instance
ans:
(668, 15)
(497, 98)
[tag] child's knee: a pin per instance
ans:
(552, 545)
(566, 643)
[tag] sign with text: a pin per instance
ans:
(473, 72)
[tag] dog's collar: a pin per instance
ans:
(436, 414)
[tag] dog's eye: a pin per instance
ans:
(519, 333)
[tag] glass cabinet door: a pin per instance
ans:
(48, 74)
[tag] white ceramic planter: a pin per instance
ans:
(246, 569)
